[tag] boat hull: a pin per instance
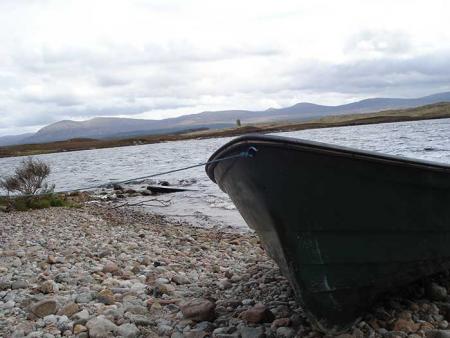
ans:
(343, 225)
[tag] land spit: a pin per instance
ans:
(95, 271)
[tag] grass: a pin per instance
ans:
(434, 111)
(25, 203)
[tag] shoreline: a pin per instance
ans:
(95, 271)
(435, 111)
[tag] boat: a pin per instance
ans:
(344, 225)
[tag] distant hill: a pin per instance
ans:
(109, 127)
(13, 139)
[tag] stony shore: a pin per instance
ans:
(100, 272)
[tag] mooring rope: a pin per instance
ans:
(249, 153)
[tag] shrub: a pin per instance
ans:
(28, 179)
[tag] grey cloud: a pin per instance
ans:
(374, 75)
(386, 42)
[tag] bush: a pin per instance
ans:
(24, 203)
(28, 178)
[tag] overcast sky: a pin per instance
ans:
(152, 59)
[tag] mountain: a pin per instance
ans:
(109, 127)
(13, 139)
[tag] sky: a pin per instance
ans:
(155, 59)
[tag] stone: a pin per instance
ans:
(69, 310)
(48, 287)
(110, 267)
(257, 314)
(5, 284)
(51, 259)
(406, 326)
(252, 332)
(164, 289)
(164, 330)
(180, 280)
(100, 327)
(20, 284)
(439, 334)
(437, 292)
(280, 322)
(128, 330)
(83, 298)
(198, 310)
(140, 320)
(196, 334)
(78, 328)
(106, 296)
(44, 308)
(81, 317)
(285, 332)
(224, 284)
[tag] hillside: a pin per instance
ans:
(435, 111)
(110, 127)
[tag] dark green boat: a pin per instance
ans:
(344, 225)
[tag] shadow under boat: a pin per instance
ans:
(344, 225)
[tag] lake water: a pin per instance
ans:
(206, 204)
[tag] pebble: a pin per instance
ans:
(44, 308)
(258, 314)
(119, 272)
(198, 310)
(110, 267)
(100, 327)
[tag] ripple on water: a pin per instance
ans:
(428, 140)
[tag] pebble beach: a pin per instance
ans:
(98, 271)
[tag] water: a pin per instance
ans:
(206, 204)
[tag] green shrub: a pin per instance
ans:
(24, 203)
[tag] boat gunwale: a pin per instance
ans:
(323, 148)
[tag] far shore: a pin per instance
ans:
(435, 111)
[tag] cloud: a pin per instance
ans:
(81, 59)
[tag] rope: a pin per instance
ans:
(251, 151)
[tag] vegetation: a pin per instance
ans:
(33, 192)
(24, 203)
(28, 179)
(434, 111)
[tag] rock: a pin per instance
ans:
(117, 187)
(110, 267)
(5, 284)
(437, 292)
(406, 326)
(164, 330)
(180, 280)
(285, 332)
(128, 330)
(20, 284)
(252, 332)
(141, 320)
(224, 284)
(83, 298)
(48, 287)
(44, 308)
(100, 327)
(51, 259)
(69, 310)
(437, 334)
(164, 289)
(257, 314)
(196, 334)
(81, 317)
(280, 322)
(78, 328)
(198, 310)
(106, 297)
